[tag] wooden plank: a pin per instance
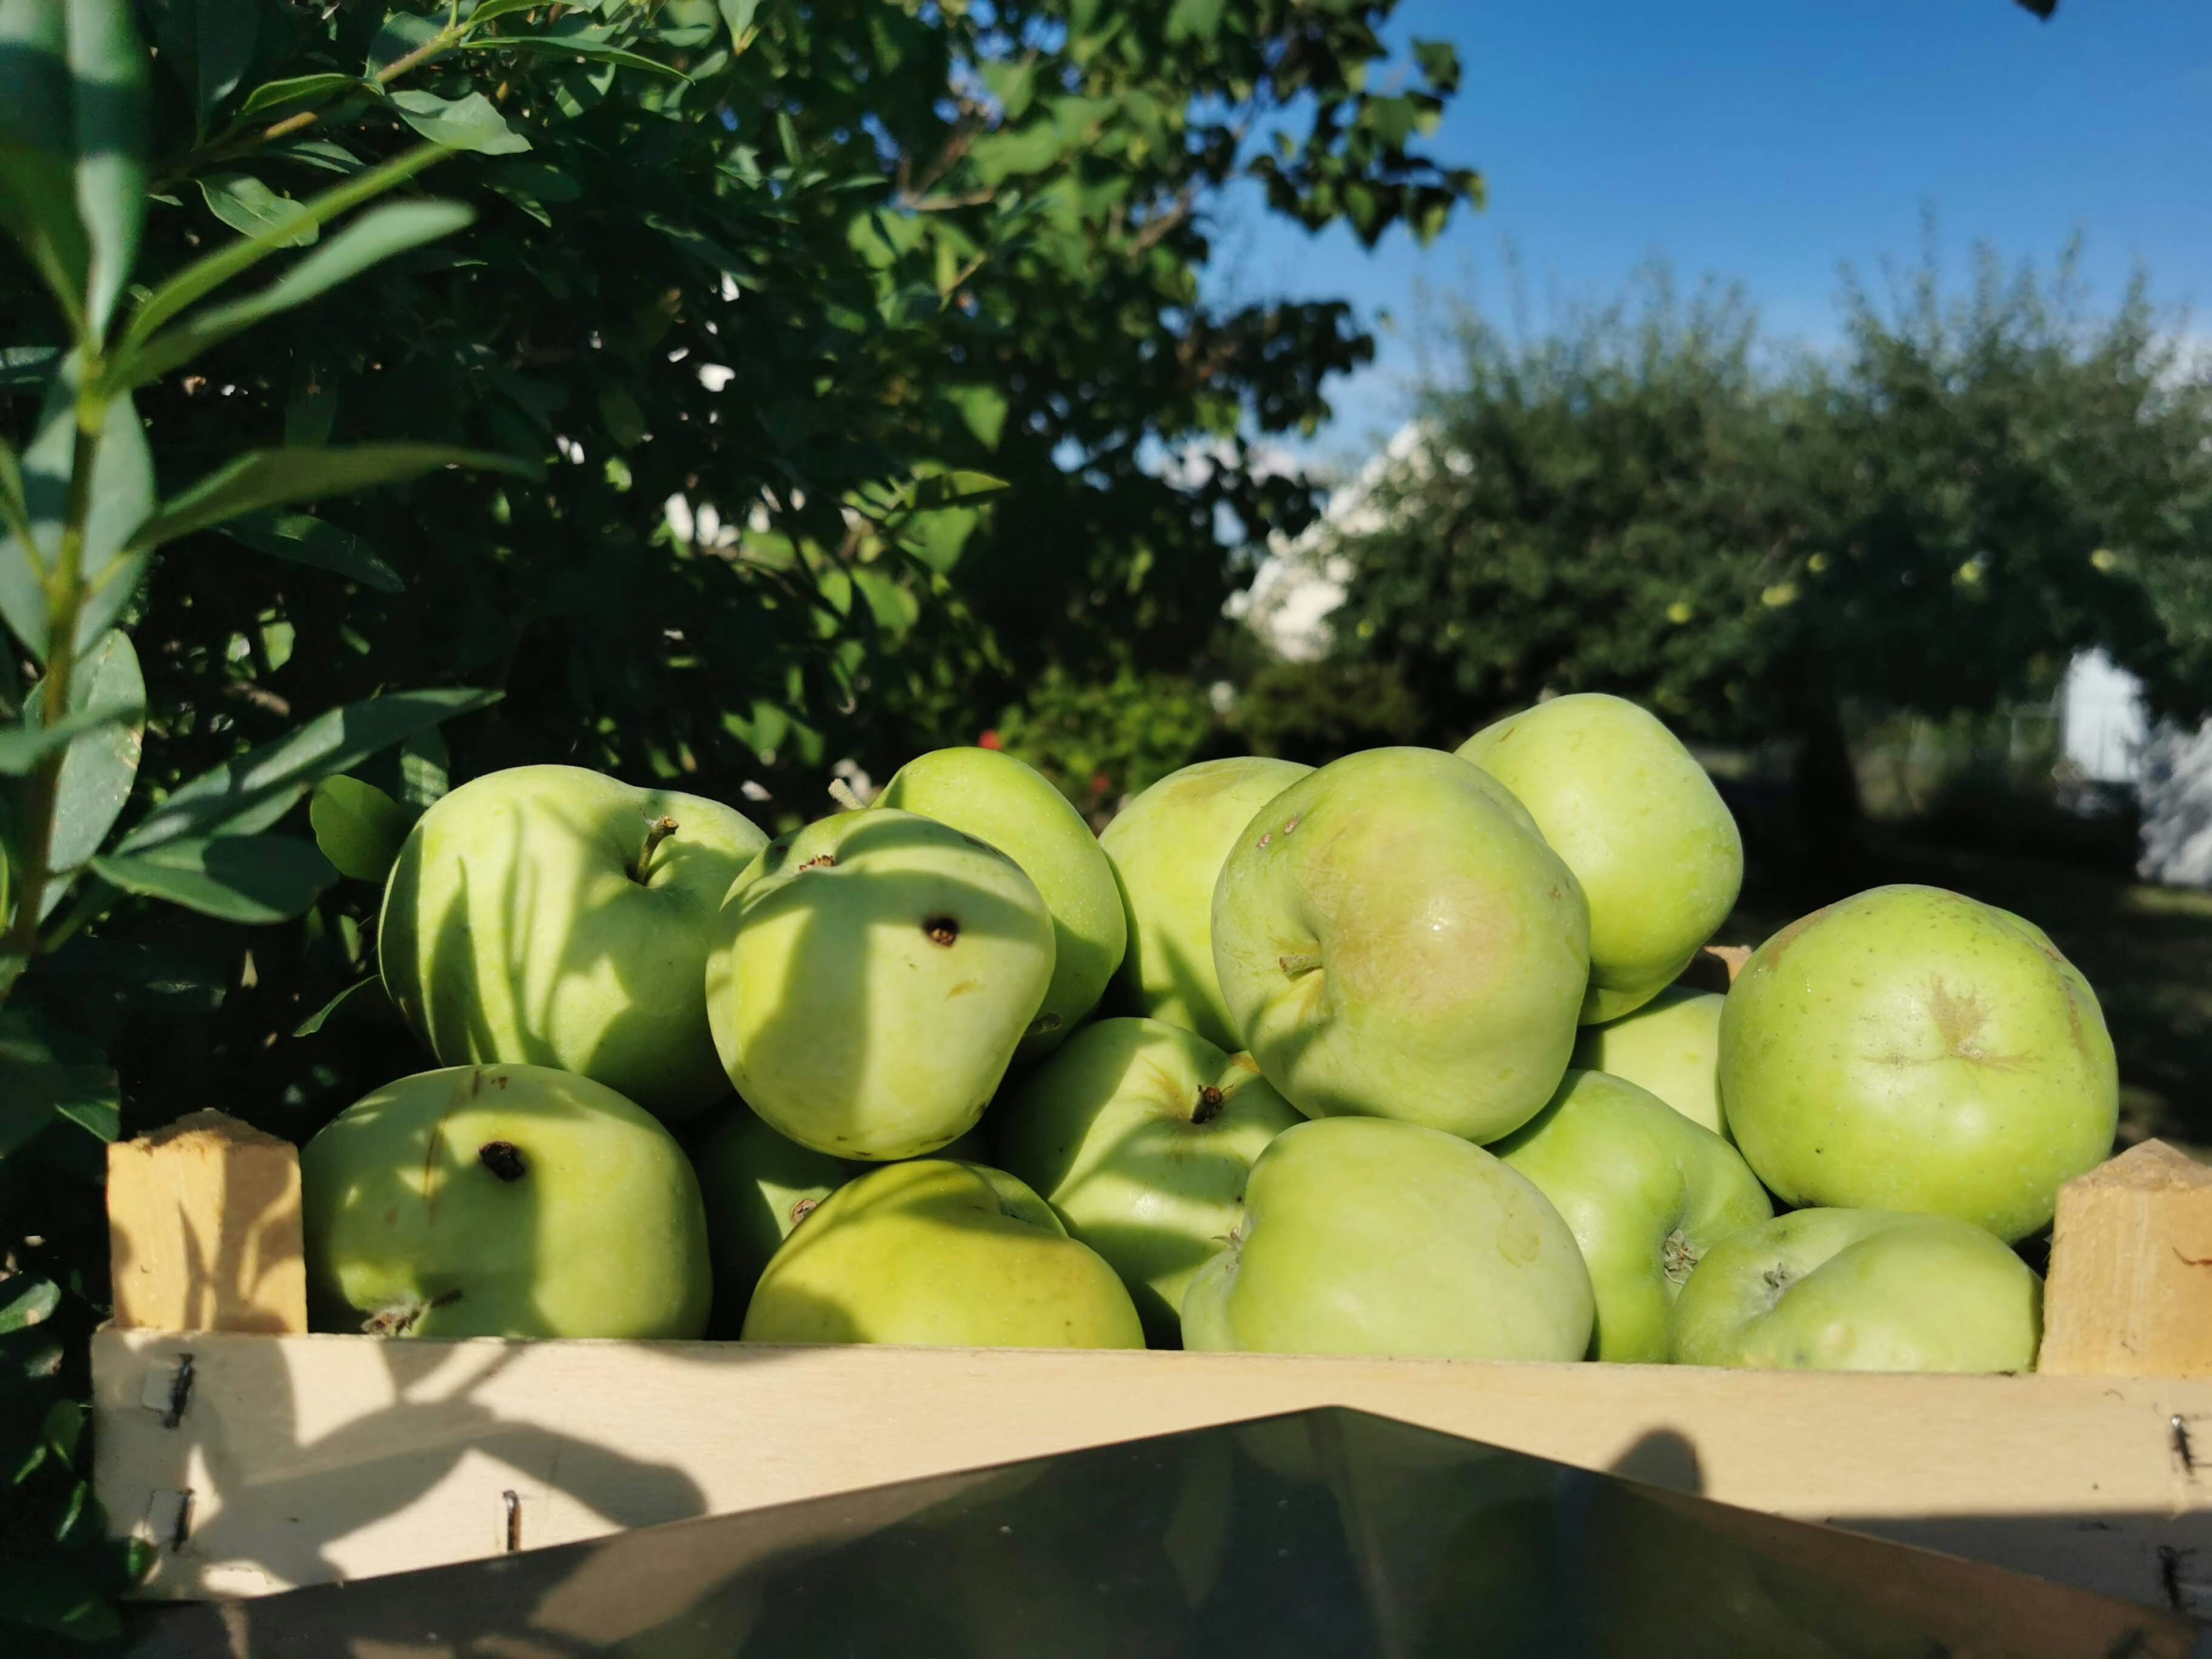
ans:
(204, 1229)
(305, 1459)
(2129, 1292)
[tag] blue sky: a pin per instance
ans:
(1772, 141)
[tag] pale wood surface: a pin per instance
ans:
(314, 1458)
(2129, 1292)
(204, 1229)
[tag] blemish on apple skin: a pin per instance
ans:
(964, 989)
(1267, 840)
(819, 861)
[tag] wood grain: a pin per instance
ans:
(2129, 1292)
(204, 1229)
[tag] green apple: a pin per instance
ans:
(1139, 1135)
(991, 795)
(1911, 1049)
(1860, 1290)
(1395, 940)
(944, 1253)
(1636, 820)
(1166, 847)
(503, 1200)
(1360, 1236)
(1647, 1193)
(555, 916)
(871, 977)
(1671, 1046)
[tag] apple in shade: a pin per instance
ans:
(1639, 821)
(1647, 1193)
(1670, 1046)
(1167, 847)
(1395, 940)
(1140, 1135)
(1910, 1048)
(758, 1186)
(989, 794)
(871, 977)
(1362, 1236)
(940, 1253)
(555, 916)
(1860, 1290)
(503, 1200)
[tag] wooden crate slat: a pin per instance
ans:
(309, 1459)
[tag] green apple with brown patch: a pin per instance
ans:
(1395, 940)
(1167, 848)
(989, 794)
(1647, 1193)
(1362, 1236)
(1671, 1046)
(503, 1200)
(1860, 1290)
(1140, 1135)
(1910, 1048)
(872, 976)
(1639, 821)
(555, 916)
(940, 1253)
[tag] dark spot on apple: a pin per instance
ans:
(1292, 824)
(804, 1208)
(820, 862)
(501, 1081)
(941, 930)
(1043, 1023)
(1267, 840)
(502, 1159)
(1210, 1102)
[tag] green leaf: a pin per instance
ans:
(303, 539)
(23, 746)
(315, 1022)
(598, 51)
(375, 236)
(1199, 20)
(299, 89)
(259, 786)
(38, 149)
(102, 764)
(26, 1300)
(244, 203)
(942, 490)
(274, 478)
(358, 826)
(208, 44)
(209, 272)
(983, 410)
(491, 9)
(425, 770)
(109, 65)
(46, 1074)
(738, 14)
(470, 122)
(252, 879)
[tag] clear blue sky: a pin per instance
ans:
(1772, 141)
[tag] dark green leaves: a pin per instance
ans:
(24, 744)
(97, 773)
(253, 792)
(470, 122)
(244, 878)
(300, 540)
(108, 71)
(244, 203)
(207, 45)
(46, 1074)
(358, 826)
(276, 478)
(309, 89)
(26, 1300)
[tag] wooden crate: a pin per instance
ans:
(262, 1458)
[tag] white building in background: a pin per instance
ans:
(2102, 712)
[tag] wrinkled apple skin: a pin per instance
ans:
(1637, 821)
(588, 1223)
(871, 977)
(1166, 847)
(1910, 1048)
(1671, 1046)
(1140, 1135)
(1361, 1235)
(995, 798)
(1860, 1290)
(943, 1254)
(1647, 1193)
(1395, 940)
(516, 927)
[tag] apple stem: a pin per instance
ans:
(841, 793)
(1303, 962)
(656, 831)
(1210, 1102)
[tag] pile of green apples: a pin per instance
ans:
(1386, 1058)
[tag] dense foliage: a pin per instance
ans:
(1652, 502)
